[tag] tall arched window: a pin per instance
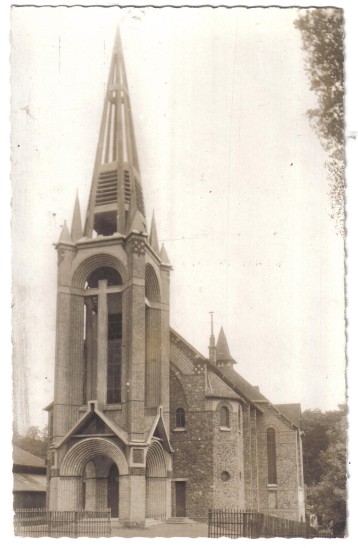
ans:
(271, 457)
(180, 418)
(224, 417)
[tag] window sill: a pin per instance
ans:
(272, 486)
(112, 407)
(224, 429)
(179, 429)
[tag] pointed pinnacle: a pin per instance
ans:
(222, 348)
(153, 238)
(137, 224)
(164, 255)
(76, 230)
(65, 236)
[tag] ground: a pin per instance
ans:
(168, 530)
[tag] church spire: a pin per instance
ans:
(116, 194)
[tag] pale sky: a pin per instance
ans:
(229, 163)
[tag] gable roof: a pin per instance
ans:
(33, 483)
(159, 426)
(292, 411)
(21, 457)
(193, 351)
(228, 375)
(91, 413)
(248, 390)
(217, 388)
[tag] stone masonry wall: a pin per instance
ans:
(228, 465)
(192, 459)
(286, 493)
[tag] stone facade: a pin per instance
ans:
(141, 422)
(227, 465)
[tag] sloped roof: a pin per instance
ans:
(227, 382)
(292, 411)
(29, 482)
(218, 388)
(231, 378)
(21, 457)
(250, 392)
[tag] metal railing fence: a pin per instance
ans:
(40, 522)
(245, 523)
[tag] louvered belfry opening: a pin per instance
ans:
(116, 192)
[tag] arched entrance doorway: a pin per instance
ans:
(100, 485)
(94, 473)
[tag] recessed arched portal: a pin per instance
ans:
(156, 482)
(94, 476)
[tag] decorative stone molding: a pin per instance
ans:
(138, 246)
(199, 369)
(136, 471)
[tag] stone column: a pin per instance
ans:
(102, 342)
(137, 498)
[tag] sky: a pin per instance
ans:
(229, 163)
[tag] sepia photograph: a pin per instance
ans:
(178, 271)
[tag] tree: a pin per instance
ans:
(322, 38)
(324, 450)
(35, 441)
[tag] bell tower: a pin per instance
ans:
(109, 418)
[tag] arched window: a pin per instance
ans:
(271, 457)
(224, 417)
(152, 290)
(103, 273)
(180, 418)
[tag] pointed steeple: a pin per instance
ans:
(76, 229)
(164, 255)
(223, 356)
(153, 238)
(65, 236)
(116, 193)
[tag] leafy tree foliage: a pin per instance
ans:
(322, 38)
(324, 450)
(35, 441)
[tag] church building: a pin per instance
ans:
(141, 422)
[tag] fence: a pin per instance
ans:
(39, 522)
(244, 523)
